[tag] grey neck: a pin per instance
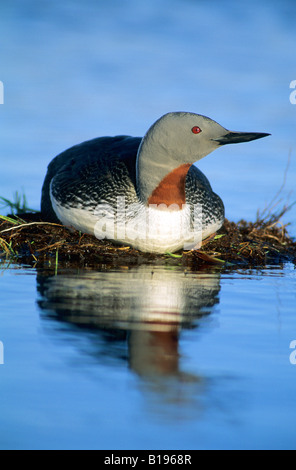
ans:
(154, 162)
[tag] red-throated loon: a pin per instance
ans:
(144, 192)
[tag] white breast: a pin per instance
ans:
(149, 229)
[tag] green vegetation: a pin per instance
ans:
(17, 206)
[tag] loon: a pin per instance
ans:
(142, 192)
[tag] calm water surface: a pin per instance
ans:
(148, 357)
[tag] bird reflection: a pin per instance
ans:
(144, 309)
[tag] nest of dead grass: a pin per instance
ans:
(29, 239)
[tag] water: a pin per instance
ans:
(148, 357)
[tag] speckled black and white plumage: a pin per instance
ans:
(91, 172)
(102, 169)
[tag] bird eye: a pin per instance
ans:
(196, 130)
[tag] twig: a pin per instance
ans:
(27, 225)
(54, 245)
(274, 201)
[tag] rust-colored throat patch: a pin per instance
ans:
(171, 190)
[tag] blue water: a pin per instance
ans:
(130, 359)
(147, 358)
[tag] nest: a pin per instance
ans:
(28, 239)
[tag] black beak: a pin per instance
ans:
(237, 137)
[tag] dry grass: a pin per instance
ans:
(29, 239)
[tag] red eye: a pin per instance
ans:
(196, 130)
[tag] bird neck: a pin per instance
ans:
(160, 177)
